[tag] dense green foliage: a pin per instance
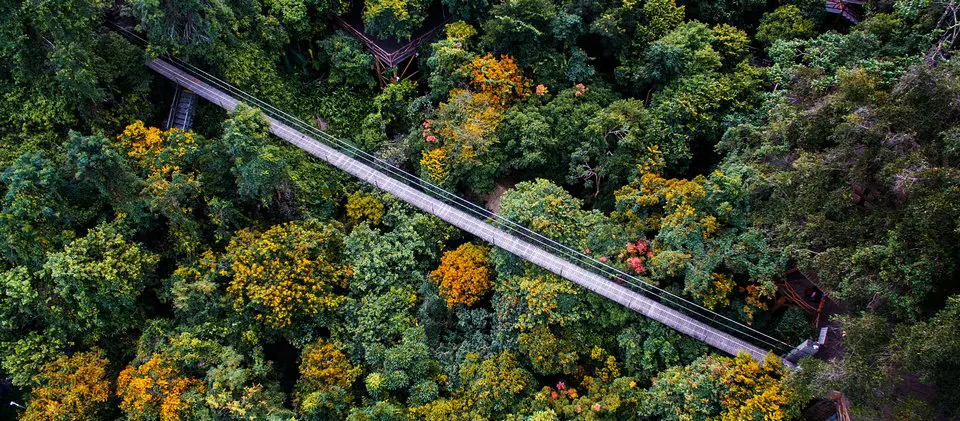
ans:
(705, 147)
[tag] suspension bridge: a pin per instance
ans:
(684, 316)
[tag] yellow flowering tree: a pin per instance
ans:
(157, 153)
(433, 163)
(171, 188)
(288, 273)
(490, 388)
(546, 312)
(500, 78)
(326, 377)
(363, 206)
(725, 389)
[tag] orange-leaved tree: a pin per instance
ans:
(156, 389)
(460, 138)
(463, 275)
(499, 78)
(70, 388)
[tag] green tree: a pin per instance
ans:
(380, 411)
(36, 216)
(405, 369)
(395, 254)
(447, 57)
(63, 46)
(260, 168)
(27, 352)
(544, 133)
(392, 118)
(190, 25)
(650, 347)
(521, 29)
(628, 28)
(926, 349)
(619, 136)
(194, 290)
(393, 18)
(61, 71)
(549, 210)
(96, 282)
(380, 320)
(785, 23)
(350, 63)
(21, 300)
(98, 162)
(734, 12)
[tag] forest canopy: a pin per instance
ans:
(717, 150)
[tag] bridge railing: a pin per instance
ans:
(686, 307)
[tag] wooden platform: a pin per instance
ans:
(843, 8)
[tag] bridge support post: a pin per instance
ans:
(808, 348)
